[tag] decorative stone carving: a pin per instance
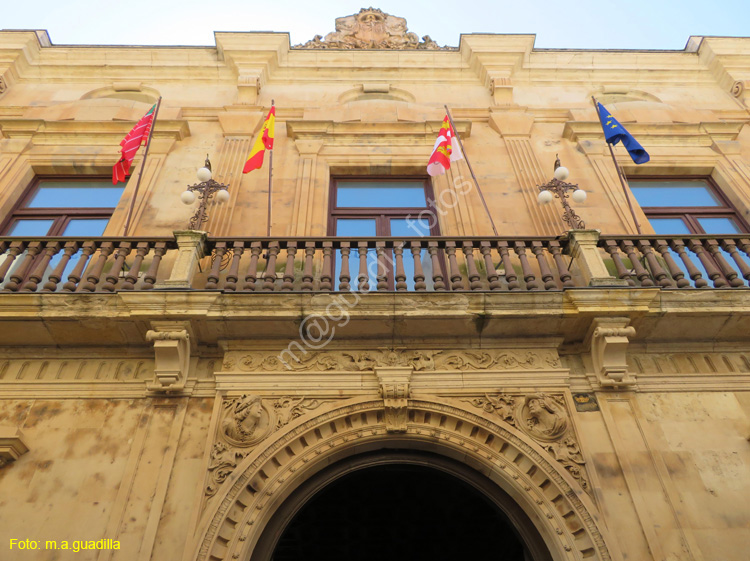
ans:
(501, 405)
(544, 418)
(371, 29)
(421, 360)
(608, 341)
(741, 90)
(172, 350)
(440, 428)
(246, 421)
(394, 389)
(3, 85)
(12, 445)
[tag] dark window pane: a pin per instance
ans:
(65, 194)
(719, 225)
(91, 227)
(674, 193)
(669, 226)
(391, 194)
(31, 228)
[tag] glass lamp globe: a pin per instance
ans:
(222, 196)
(204, 174)
(545, 197)
(187, 197)
(562, 173)
(579, 196)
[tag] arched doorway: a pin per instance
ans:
(255, 503)
(400, 505)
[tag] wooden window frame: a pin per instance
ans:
(690, 214)
(380, 214)
(61, 216)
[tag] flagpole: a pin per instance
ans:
(270, 182)
(468, 163)
(143, 164)
(620, 174)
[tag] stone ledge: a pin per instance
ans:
(12, 445)
(475, 317)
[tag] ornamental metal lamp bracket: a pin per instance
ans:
(557, 187)
(207, 189)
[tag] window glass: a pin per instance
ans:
(90, 194)
(410, 229)
(669, 226)
(92, 227)
(30, 227)
(387, 207)
(719, 225)
(685, 193)
(379, 194)
(357, 227)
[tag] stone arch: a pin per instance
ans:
(564, 515)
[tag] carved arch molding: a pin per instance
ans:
(561, 510)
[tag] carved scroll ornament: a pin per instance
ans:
(394, 389)
(609, 339)
(419, 360)
(372, 29)
(172, 355)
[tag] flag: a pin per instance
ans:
(445, 151)
(614, 132)
(130, 145)
(262, 143)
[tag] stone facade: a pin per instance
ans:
(171, 420)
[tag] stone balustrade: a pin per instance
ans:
(193, 261)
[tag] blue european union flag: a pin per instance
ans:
(614, 132)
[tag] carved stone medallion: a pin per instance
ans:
(371, 29)
(545, 419)
(245, 422)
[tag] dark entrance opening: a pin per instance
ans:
(401, 511)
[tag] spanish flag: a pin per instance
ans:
(263, 142)
(445, 151)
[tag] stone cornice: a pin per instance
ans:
(76, 319)
(85, 132)
(660, 134)
(385, 132)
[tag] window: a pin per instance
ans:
(386, 207)
(64, 207)
(686, 206)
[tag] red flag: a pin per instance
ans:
(445, 151)
(130, 145)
